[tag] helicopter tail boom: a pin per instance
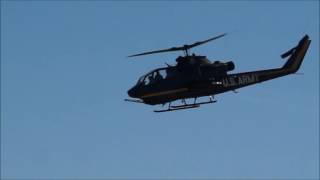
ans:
(239, 80)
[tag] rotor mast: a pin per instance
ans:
(186, 50)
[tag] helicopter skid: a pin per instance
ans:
(200, 103)
(134, 100)
(178, 108)
(185, 106)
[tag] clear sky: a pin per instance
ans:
(64, 75)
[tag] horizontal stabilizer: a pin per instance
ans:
(288, 53)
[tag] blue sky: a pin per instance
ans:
(64, 75)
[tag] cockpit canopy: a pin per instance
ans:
(154, 76)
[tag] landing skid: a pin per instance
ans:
(185, 105)
(134, 100)
(208, 102)
(177, 108)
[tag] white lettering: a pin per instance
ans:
(240, 80)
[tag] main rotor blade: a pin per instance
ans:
(203, 42)
(181, 48)
(158, 51)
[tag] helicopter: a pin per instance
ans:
(195, 76)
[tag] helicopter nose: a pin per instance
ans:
(132, 92)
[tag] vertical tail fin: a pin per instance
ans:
(296, 55)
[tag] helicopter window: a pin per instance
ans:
(141, 80)
(150, 79)
(146, 80)
(162, 74)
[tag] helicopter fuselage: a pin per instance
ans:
(196, 76)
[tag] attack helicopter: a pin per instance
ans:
(195, 76)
